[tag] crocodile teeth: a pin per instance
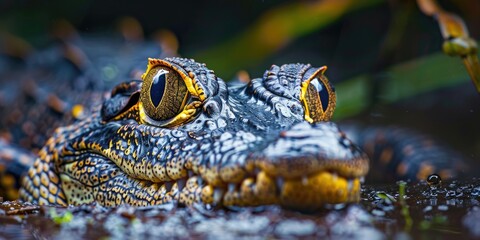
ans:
(231, 187)
(334, 176)
(279, 182)
(218, 195)
(305, 180)
(350, 185)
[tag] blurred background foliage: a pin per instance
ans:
(383, 56)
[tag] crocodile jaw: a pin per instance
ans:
(306, 193)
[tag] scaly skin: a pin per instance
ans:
(242, 145)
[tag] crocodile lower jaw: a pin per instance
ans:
(306, 193)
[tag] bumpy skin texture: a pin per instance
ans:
(246, 145)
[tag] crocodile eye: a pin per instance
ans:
(318, 97)
(164, 93)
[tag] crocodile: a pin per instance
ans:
(181, 134)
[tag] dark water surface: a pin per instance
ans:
(445, 211)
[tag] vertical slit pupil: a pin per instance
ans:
(322, 92)
(158, 87)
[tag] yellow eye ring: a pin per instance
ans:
(168, 96)
(318, 97)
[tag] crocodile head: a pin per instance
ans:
(182, 135)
